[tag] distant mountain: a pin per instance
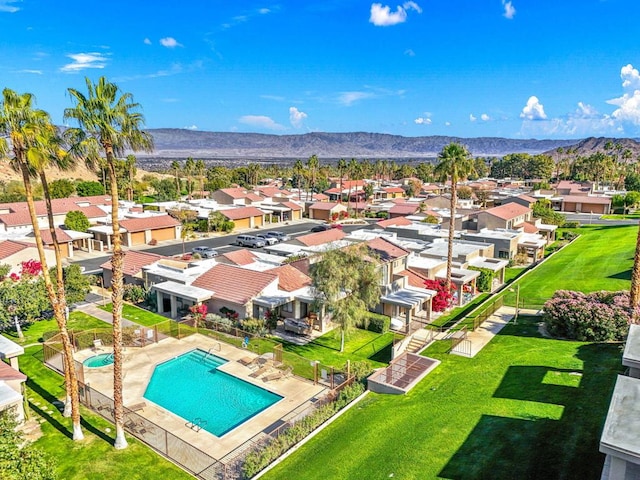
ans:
(178, 143)
(591, 145)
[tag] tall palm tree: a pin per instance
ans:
(455, 163)
(188, 169)
(353, 169)
(130, 165)
(32, 135)
(110, 123)
(201, 169)
(175, 168)
(298, 172)
(313, 164)
(342, 168)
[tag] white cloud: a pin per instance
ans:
(296, 117)
(169, 42)
(472, 118)
(630, 77)
(533, 110)
(146, 41)
(509, 9)
(264, 11)
(382, 16)
(7, 6)
(484, 117)
(83, 61)
(260, 121)
(586, 111)
(447, 124)
(409, 53)
(422, 121)
(191, 127)
(34, 72)
(349, 98)
(628, 108)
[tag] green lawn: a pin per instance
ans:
(138, 315)
(33, 333)
(600, 259)
(525, 407)
(94, 458)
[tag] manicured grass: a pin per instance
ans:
(137, 315)
(600, 259)
(93, 458)
(458, 313)
(33, 333)
(525, 407)
(619, 216)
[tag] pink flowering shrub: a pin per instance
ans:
(30, 268)
(443, 298)
(593, 317)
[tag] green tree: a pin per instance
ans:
(455, 163)
(347, 282)
(631, 200)
(219, 223)
(130, 177)
(25, 298)
(76, 285)
(76, 220)
(165, 190)
(20, 460)
(61, 188)
(424, 171)
(188, 169)
(109, 124)
(89, 189)
(201, 170)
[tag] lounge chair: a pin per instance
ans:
(97, 345)
(137, 406)
(260, 371)
(277, 375)
(246, 361)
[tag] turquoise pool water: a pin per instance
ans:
(100, 360)
(191, 386)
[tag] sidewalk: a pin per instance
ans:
(93, 310)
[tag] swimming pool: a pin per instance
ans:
(100, 360)
(192, 387)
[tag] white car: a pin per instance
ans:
(267, 239)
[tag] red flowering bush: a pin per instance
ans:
(444, 296)
(594, 317)
(199, 312)
(30, 268)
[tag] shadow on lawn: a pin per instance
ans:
(539, 447)
(626, 275)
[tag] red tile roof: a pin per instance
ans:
(320, 196)
(528, 227)
(293, 206)
(508, 211)
(11, 247)
(93, 211)
(393, 190)
(273, 192)
(325, 206)
(586, 199)
(404, 209)
(336, 190)
(527, 198)
(234, 284)
(391, 222)
(134, 261)
(61, 235)
(148, 223)
(386, 250)
(414, 278)
(234, 192)
(253, 197)
(239, 257)
(241, 212)
(320, 238)
(8, 373)
(290, 278)
(16, 219)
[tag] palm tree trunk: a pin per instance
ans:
(72, 403)
(59, 313)
(634, 297)
(117, 261)
(452, 227)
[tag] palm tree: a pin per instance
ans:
(201, 169)
(456, 163)
(313, 164)
(175, 168)
(189, 167)
(31, 135)
(342, 168)
(130, 165)
(298, 172)
(109, 123)
(353, 169)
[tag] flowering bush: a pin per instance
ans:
(30, 268)
(444, 296)
(595, 317)
(199, 312)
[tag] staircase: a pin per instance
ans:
(415, 344)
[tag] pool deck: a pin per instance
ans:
(139, 364)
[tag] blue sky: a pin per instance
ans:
(469, 68)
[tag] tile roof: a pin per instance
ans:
(586, 199)
(527, 198)
(320, 196)
(16, 219)
(325, 205)
(528, 227)
(11, 247)
(333, 190)
(241, 212)
(148, 223)
(234, 192)
(290, 278)
(414, 278)
(320, 238)
(58, 205)
(234, 284)
(390, 222)
(8, 373)
(239, 257)
(273, 192)
(404, 209)
(387, 251)
(134, 261)
(61, 235)
(253, 197)
(393, 190)
(293, 206)
(508, 211)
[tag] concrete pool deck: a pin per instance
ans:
(139, 364)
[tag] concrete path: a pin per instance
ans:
(93, 310)
(477, 340)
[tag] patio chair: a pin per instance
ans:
(263, 369)
(277, 375)
(97, 345)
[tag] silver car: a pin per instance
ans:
(267, 239)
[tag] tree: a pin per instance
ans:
(298, 176)
(201, 170)
(219, 223)
(76, 220)
(342, 168)
(130, 177)
(76, 285)
(62, 188)
(36, 145)
(165, 190)
(455, 163)
(634, 295)
(110, 123)
(20, 460)
(313, 164)
(188, 169)
(175, 168)
(89, 189)
(347, 282)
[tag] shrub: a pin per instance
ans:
(571, 224)
(383, 215)
(485, 280)
(443, 298)
(134, 293)
(254, 325)
(594, 317)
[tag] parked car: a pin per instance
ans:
(321, 228)
(205, 252)
(279, 236)
(250, 241)
(267, 239)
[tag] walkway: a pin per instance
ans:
(478, 339)
(93, 310)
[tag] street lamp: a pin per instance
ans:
(517, 290)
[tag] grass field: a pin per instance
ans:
(525, 407)
(600, 259)
(33, 333)
(138, 315)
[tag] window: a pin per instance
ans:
(503, 254)
(288, 307)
